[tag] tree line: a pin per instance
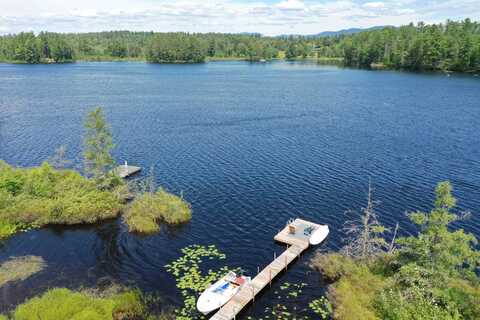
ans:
(48, 47)
(451, 46)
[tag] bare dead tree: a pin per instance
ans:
(391, 247)
(59, 159)
(364, 232)
(143, 185)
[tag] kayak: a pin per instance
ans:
(221, 292)
(318, 235)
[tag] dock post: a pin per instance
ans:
(270, 276)
(274, 255)
(253, 294)
(258, 269)
(286, 264)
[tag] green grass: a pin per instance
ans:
(64, 304)
(40, 196)
(355, 288)
(149, 209)
(20, 268)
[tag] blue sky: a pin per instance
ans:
(269, 17)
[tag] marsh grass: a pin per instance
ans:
(354, 286)
(35, 197)
(20, 268)
(149, 209)
(64, 304)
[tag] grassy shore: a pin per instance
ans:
(147, 210)
(64, 304)
(430, 275)
(40, 196)
(35, 197)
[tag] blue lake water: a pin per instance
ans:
(249, 145)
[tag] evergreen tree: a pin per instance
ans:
(98, 144)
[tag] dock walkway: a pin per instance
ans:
(298, 242)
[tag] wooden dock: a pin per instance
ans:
(125, 170)
(297, 241)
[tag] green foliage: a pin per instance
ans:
(64, 304)
(449, 46)
(436, 247)
(333, 265)
(191, 280)
(175, 47)
(98, 144)
(432, 275)
(43, 195)
(356, 286)
(148, 209)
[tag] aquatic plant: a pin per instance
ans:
(20, 268)
(191, 280)
(322, 307)
(150, 208)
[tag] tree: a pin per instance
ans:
(363, 233)
(98, 144)
(59, 159)
(436, 248)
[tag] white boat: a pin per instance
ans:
(318, 235)
(221, 292)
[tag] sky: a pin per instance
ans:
(269, 17)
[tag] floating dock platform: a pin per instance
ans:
(297, 243)
(125, 170)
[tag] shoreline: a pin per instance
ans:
(323, 61)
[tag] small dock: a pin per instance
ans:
(297, 243)
(126, 170)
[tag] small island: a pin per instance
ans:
(51, 194)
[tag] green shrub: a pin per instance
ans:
(150, 208)
(42, 195)
(64, 304)
(333, 265)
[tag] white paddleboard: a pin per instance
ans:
(319, 235)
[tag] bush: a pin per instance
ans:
(64, 304)
(150, 208)
(42, 195)
(333, 265)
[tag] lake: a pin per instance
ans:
(249, 146)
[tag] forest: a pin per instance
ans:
(449, 46)
(453, 46)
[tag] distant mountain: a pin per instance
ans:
(334, 33)
(348, 31)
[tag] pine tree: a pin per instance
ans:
(98, 144)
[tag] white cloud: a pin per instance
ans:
(281, 16)
(374, 5)
(291, 5)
